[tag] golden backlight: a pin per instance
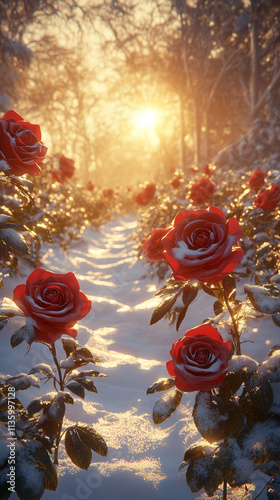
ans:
(146, 119)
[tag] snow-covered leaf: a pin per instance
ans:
(77, 389)
(162, 384)
(166, 405)
(23, 381)
(26, 332)
(260, 391)
(162, 309)
(78, 452)
(265, 299)
(14, 241)
(30, 480)
(92, 439)
(9, 308)
(42, 368)
(44, 463)
(216, 418)
(87, 384)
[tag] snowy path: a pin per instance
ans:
(143, 460)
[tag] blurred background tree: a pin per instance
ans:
(130, 89)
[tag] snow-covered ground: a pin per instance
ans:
(143, 459)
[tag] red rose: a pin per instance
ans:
(202, 191)
(175, 183)
(199, 359)
(145, 196)
(153, 247)
(268, 199)
(108, 193)
(20, 144)
(54, 302)
(66, 167)
(199, 245)
(207, 170)
(90, 186)
(257, 179)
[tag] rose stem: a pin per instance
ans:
(225, 490)
(235, 327)
(53, 351)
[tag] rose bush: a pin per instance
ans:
(257, 179)
(54, 302)
(268, 199)
(199, 245)
(145, 196)
(66, 167)
(153, 247)
(202, 191)
(199, 359)
(20, 144)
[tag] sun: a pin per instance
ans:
(146, 119)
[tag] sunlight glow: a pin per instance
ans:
(146, 119)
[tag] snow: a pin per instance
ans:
(143, 459)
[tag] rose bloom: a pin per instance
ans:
(268, 199)
(90, 186)
(257, 179)
(54, 302)
(153, 247)
(145, 196)
(108, 193)
(20, 144)
(66, 167)
(175, 183)
(199, 245)
(202, 191)
(199, 359)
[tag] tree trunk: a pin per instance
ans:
(182, 132)
(254, 59)
(197, 134)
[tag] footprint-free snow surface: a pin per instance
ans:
(143, 459)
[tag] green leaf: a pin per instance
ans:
(216, 418)
(4, 492)
(265, 298)
(55, 411)
(218, 307)
(30, 480)
(37, 405)
(194, 452)
(229, 284)
(3, 321)
(87, 383)
(231, 383)
(181, 316)
(77, 389)
(77, 451)
(199, 472)
(189, 293)
(273, 490)
(26, 332)
(92, 439)
(162, 309)
(162, 384)
(14, 241)
(44, 369)
(276, 319)
(166, 405)
(260, 391)
(45, 465)
(69, 345)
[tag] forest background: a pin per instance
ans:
(132, 89)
